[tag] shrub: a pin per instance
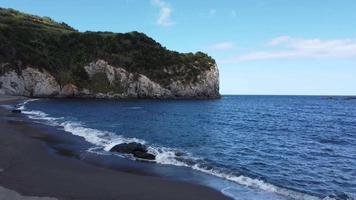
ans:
(63, 51)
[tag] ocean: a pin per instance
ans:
(248, 147)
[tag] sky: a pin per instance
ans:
(271, 47)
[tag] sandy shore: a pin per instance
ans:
(29, 172)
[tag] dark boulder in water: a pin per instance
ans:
(143, 155)
(136, 149)
(129, 147)
(16, 111)
(178, 153)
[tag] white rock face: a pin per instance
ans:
(206, 86)
(40, 84)
(35, 83)
(12, 83)
(128, 85)
(69, 90)
(31, 82)
(101, 66)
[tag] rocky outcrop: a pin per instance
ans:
(69, 90)
(136, 149)
(29, 82)
(128, 85)
(32, 82)
(206, 86)
(55, 60)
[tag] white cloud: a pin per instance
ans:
(279, 40)
(299, 48)
(165, 13)
(221, 46)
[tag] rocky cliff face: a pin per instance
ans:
(32, 82)
(40, 57)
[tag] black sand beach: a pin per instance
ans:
(27, 167)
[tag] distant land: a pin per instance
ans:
(43, 58)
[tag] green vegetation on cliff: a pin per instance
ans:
(28, 40)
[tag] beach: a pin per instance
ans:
(28, 170)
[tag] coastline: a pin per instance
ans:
(28, 168)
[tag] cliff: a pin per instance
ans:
(43, 58)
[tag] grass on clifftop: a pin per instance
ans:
(28, 40)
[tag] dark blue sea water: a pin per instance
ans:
(298, 147)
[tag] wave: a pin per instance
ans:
(105, 140)
(21, 106)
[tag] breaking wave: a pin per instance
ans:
(105, 140)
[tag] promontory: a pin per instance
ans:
(40, 57)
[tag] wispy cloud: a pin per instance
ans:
(165, 13)
(221, 46)
(279, 40)
(300, 48)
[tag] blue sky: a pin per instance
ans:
(261, 46)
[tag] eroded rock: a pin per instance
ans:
(136, 149)
(32, 82)
(129, 147)
(16, 111)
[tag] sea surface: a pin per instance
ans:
(258, 147)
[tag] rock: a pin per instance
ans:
(136, 149)
(143, 155)
(206, 85)
(129, 148)
(69, 90)
(129, 85)
(40, 83)
(16, 111)
(32, 82)
(178, 153)
(101, 66)
(122, 65)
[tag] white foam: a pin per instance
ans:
(23, 104)
(38, 115)
(259, 184)
(105, 140)
(166, 156)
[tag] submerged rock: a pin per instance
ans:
(178, 153)
(16, 111)
(143, 155)
(129, 147)
(136, 149)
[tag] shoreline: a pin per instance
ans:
(28, 168)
